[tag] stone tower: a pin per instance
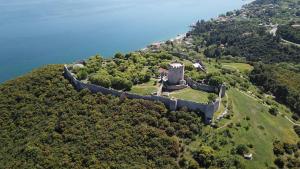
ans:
(176, 74)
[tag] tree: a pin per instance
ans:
(100, 80)
(242, 149)
(204, 156)
(279, 161)
(278, 148)
(215, 81)
(121, 83)
(297, 130)
(119, 56)
(212, 97)
(82, 74)
(274, 111)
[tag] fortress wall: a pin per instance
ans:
(222, 91)
(93, 88)
(208, 109)
(172, 104)
(194, 106)
(159, 91)
(212, 108)
(175, 87)
(199, 86)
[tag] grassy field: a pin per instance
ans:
(263, 129)
(145, 88)
(242, 67)
(211, 66)
(191, 94)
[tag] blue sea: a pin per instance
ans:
(38, 32)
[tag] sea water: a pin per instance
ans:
(38, 32)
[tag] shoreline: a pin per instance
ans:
(181, 36)
(11, 71)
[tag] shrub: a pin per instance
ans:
(242, 149)
(278, 148)
(274, 111)
(100, 80)
(295, 117)
(119, 56)
(279, 162)
(204, 156)
(82, 74)
(212, 97)
(215, 81)
(297, 130)
(121, 83)
(170, 131)
(289, 148)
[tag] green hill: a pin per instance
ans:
(45, 123)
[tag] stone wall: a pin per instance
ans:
(200, 86)
(172, 104)
(174, 87)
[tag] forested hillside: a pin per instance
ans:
(290, 32)
(45, 123)
(243, 39)
(283, 80)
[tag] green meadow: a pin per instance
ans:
(242, 67)
(191, 95)
(145, 88)
(264, 128)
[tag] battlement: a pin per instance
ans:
(176, 65)
(176, 73)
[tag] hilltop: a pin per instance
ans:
(46, 123)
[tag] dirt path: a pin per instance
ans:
(289, 42)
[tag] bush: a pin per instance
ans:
(295, 117)
(204, 156)
(119, 56)
(289, 148)
(212, 97)
(170, 131)
(279, 162)
(297, 130)
(278, 148)
(121, 83)
(274, 111)
(82, 74)
(101, 80)
(215, 81)
(242, 149)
